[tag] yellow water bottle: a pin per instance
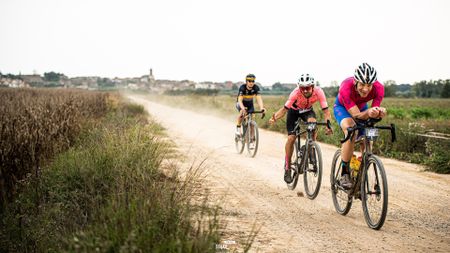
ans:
(354, 166)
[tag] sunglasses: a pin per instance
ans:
(251, 81)
(306, 88)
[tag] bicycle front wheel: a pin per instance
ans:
(341, 200)
(374, 193)
(253, 140)
(295, 163)
(240, 140)
(312, 176)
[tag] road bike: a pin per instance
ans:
(369, 179)
(307, 159)
(249, 135)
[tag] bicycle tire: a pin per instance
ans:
(295, 159)
(240, 140)
(381, 192)
(252, 152)
(309, 174)
(346, 202)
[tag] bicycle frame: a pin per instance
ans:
(249, 136)
(367, 152)
(247, 122)
(310, 129)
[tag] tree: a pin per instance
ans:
(446, 89)
(52, 76)
(390, 87)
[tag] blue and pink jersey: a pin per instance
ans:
(297, 101)
(349, 97)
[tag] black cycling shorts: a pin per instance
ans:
(292, 117)
(250, 107)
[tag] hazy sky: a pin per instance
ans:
(405, 40)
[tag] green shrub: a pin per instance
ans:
(421, 112)
(439, 157)
(397, 113)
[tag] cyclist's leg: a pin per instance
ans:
(310, 116)
(239, 119)
(251, 109)
(362, 144)
(292, 117)
(345, 120)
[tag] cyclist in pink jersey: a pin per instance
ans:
(351, 105)
(299, 105)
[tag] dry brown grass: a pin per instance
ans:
(37, 123)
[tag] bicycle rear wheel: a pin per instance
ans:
(240, 140)
(374, 193)
(312, 177)
(253, 141)
(295, 164)
(342, 202)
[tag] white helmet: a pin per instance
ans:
(365, 73)
(305, 80)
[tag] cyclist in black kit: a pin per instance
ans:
(244, 101)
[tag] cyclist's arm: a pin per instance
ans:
(357, 114)
(241, 104)
(327, 114)
(279, 114)
(260, 102)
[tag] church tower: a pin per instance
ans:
(151, 79)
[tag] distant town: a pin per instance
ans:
(144, 82)
(425, 89)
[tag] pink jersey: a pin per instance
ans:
(349, 97)
(297, 101)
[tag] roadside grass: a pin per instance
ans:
(108, 193)
(413, 118)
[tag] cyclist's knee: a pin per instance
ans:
(346, 123)
(291, 138)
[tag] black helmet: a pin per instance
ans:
(250, 77)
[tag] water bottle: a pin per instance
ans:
(354, 166)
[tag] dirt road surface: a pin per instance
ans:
(252, 192)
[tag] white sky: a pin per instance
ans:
(212, 40)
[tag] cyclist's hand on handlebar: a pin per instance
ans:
(374, 112)
(328, 131)
(382, 111)
(263, 110)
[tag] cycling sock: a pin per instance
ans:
(287, 163)
(345, 168)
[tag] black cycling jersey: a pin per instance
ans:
(247, 94)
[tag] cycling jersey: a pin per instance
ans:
(248, 95)
(297, 101)
(348, 95)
